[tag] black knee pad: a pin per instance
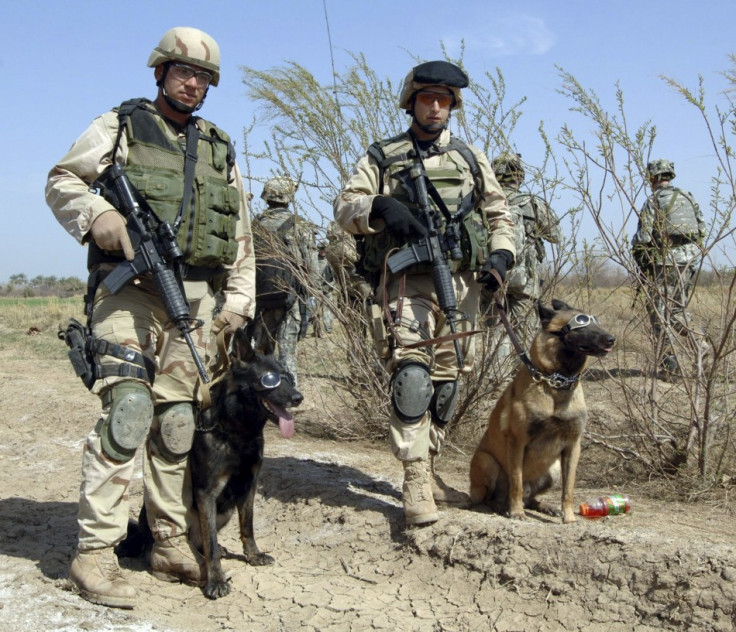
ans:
(444, 402)
(411, 391)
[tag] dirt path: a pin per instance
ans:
(330, 514)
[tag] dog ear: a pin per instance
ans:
(559, 305)
(545, 313)
(241, 347)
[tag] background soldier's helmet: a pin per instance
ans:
(433, 73)
(280, 190)
(661, 170)
(190, 46)
(508, 167)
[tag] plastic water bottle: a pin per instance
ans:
(611, 505)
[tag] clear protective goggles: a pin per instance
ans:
(183, 73)
(581, 320)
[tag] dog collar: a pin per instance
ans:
(555, 380)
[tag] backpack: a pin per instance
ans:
(277, 285)
(518, 277)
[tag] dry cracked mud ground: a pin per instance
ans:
(330, 513)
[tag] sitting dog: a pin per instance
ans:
(534, 432)
(227, 453)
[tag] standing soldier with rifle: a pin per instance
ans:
(168, 229)
(434, 224)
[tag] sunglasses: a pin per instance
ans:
(428, 98)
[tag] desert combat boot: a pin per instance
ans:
(442, 493)
(99, 579)
(419, 507)
(174, 560)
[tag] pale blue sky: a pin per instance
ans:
(65, 62)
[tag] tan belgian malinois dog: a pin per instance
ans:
(534, 431)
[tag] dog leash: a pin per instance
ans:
(393, 321)
(555, 380)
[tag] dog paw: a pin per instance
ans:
(216, 589)
(259, 559)
(517, 515)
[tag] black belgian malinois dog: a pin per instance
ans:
(226, 457)
(227, 453)
(535, 428)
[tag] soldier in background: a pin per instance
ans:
(667, 248)
(285, 244)
(534, 223)
(322, 318)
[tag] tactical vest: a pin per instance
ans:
(456, 182)
(676, 216)
(519, 206)
(205, 229)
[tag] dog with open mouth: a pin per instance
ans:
(227, 453)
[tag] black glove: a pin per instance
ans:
(498, 261)
(398, 219)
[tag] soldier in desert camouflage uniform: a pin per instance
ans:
(534, 223)
(280, 232)
(667, 247)
(379, 203)
(146, 376)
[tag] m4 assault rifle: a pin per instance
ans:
(156, 251)
(431, 249)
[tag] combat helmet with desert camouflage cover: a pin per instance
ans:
(433, 73)
(189, 46)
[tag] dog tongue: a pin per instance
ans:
(286, 424)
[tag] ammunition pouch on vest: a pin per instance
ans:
(156, 166)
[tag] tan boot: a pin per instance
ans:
(99, 579)
(442, 492)
(174, 560)
(419, 507)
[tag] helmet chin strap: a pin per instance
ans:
(431, 129)
(181, 107)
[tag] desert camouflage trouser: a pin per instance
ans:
(135, 318)
(284, 330)
(420, 319)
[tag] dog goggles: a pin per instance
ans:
(578, 322)
(269, 381)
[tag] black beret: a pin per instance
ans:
(441, 73)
